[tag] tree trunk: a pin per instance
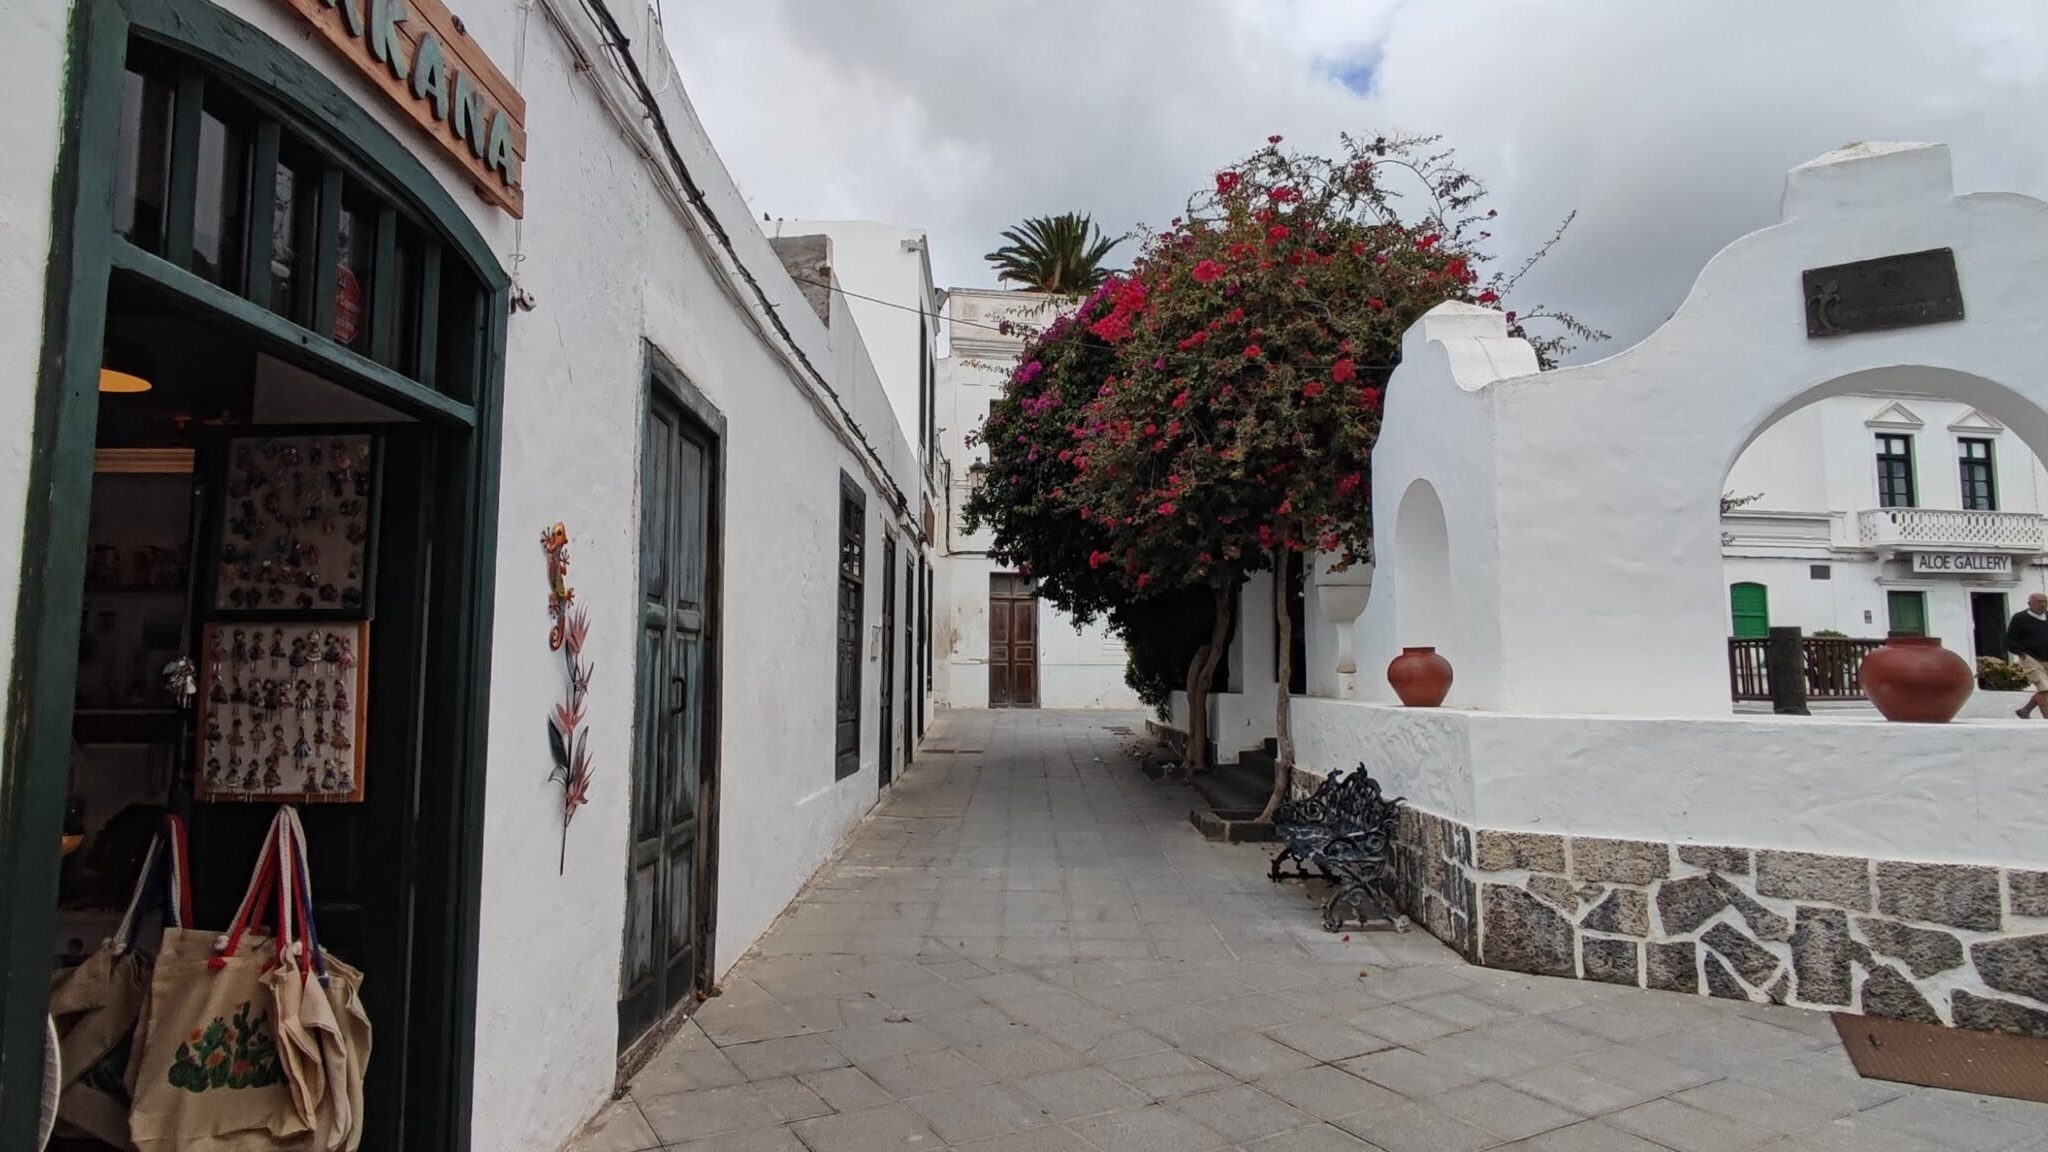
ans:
(1202, 673)
(1283, 731)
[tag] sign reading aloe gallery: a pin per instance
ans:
(421, 57)
(1973, 563)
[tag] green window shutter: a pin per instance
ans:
(1908, 612)
(1749, 606)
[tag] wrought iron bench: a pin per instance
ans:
(1345, 830)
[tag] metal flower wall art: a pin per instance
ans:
(568, 739)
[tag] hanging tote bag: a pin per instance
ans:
(95, 1006)
(208, 1073)
(323, 1030)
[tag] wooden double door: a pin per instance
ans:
(669, 882)
(1012, 641)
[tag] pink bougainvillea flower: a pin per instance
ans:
(1180, 401)
(1489, 297)
(1272, 139)
(1168, 508)
(1225, 182)
(1343, 371)
(1096, 559)
(1278, 232)
(1427, 242)
(1312, 389)
(1253, 351)
(1208, 271)
(1375, 303)
(1144, 578)
(1282, 195)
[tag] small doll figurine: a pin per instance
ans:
(337, 482)
(237, 694)
(320, 701)
(303, 750)
(235, 736)
(233, 779)
(271, 777)
(330, 781)
(276, 738)
(219, 649)
(212, 771)
(346, 658)
(218, 694)
(240, 649)
(182, 680)
(289, 453)
(276, 647)
(234, 766)
(348, 780)
(312, 783)
(304, 696)
(340, 700)
(315, 456)
(316, 647)
(320, 732)
(298, 656)
(213, 735)
(340, 741)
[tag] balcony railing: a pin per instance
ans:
(1832, 667)
(1940, 528)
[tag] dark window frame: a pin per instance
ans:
(1897, 486)
(851, 617)
(1977, 474)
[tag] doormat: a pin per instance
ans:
(1930, 1055)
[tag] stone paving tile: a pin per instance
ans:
(1075, 1092)
(1153, 1128)
(1685, 1129)
(1503, 1111)
(1419, 1126)
(889, 1128)
(1027, 949)
(1241, 1113)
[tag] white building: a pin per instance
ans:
(996, 643)
(1898, 511)
(498, 259)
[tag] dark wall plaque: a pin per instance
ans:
(1888, 292)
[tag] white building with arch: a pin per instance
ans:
(1588, 804)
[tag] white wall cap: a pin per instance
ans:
(1476, 344)
(1858, 177)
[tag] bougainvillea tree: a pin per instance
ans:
(1253, 342)
(1034, 497)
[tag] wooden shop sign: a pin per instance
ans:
(419, 55)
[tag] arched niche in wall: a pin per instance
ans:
(1423, 607)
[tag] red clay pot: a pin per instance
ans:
(1420, 677)
(1914, 680)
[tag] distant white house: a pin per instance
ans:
(1877, 512)
(997, 644)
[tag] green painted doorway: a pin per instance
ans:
(1749, 610)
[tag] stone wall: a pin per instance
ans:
(1952, 944)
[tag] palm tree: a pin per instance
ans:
(1058, 254)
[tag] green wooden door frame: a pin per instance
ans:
(84, 253)
(1906, 612)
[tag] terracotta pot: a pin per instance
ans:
(1420, 677)
(1914, 680)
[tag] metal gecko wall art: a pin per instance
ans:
(568, 739)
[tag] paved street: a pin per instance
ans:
(1028, 949)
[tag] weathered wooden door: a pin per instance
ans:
(887, 688)
(667, 893)
(1012, 642)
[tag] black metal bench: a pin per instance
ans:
(1345, 831)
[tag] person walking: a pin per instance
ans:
(2027, 639)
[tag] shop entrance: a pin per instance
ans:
(265, 444)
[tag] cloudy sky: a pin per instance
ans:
(1667, 126)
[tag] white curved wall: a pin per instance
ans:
(1583, 504)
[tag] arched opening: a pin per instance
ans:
(1423, 597)
(1902, 499)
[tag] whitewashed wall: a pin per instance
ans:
(609, 262)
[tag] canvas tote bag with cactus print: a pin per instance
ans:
(208, 1073)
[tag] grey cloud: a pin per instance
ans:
(1667, 126)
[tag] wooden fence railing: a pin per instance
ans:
(1832, 664)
